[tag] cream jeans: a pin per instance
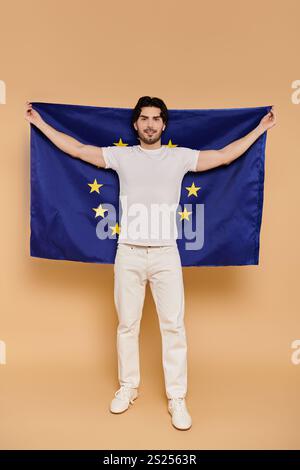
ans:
(161, 265)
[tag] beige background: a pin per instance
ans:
(58, 318)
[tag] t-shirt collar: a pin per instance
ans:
(150, 150)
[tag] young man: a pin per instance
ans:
(151, 256)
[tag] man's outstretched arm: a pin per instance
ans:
(89, 153)
(208, 159)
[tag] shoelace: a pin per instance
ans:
(178, 404)
(123, 392)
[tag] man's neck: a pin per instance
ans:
(155, 146)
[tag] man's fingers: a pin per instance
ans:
(273, 115)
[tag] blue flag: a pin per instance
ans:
(70, 197)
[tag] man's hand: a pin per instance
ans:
(269, 120)
(31, 115)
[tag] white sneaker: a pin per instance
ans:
(123, 398)
(181, 418)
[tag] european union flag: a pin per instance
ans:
(70, 197)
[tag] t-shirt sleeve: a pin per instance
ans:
(190, 158)
(111, 155)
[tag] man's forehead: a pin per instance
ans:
(150, 112)
(144, 115)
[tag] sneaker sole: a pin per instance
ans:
(180, 429)
(120, 412)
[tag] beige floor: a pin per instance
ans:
(69, 410)
(237, 401)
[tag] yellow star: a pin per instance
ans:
(95, 186)
(115, 229)
(193, 189)
(185, 214)
(120, 143)
(100, 211)
(169, 144)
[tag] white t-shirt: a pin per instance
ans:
(150, 185)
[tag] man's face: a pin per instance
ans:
(149, 125)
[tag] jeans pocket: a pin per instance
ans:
(125, 247)
(168, 249)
